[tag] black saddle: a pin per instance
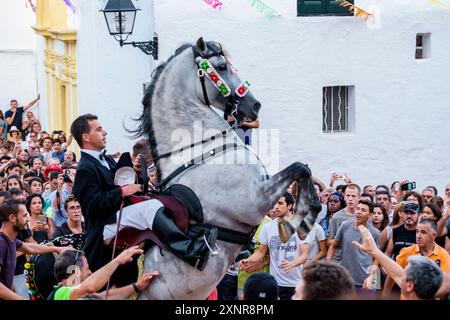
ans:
(186, 196)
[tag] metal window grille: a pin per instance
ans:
(335, 109)
(419, 46)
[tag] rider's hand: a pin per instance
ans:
(130, 189)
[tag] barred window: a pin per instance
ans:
(423, 46)
(335, 110)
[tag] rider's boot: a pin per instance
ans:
(194, 251)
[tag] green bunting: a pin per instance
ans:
(263, 8)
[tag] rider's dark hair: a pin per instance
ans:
(288, 198)
(81, 126)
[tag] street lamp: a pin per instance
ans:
(120, 16)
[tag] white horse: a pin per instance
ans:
(235, 194)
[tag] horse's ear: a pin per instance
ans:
(201, 45)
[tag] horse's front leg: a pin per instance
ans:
(307, 203)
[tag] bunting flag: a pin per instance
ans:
(32, 5)
(70, 5)
(263, 8)
(215, 4)
(358, 11)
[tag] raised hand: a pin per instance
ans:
(369, 244)
(145, 280)
(127, 255)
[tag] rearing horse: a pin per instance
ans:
(235, 195)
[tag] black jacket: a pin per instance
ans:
(100, 200)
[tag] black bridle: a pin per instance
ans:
(232, 104)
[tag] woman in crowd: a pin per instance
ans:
(41, 226)
(380, 218)
(397, 221)
(23, 156)
(414, 197)
(433, 212)
(14, 135)
(2, 126)
(14, 181)
(335, 203)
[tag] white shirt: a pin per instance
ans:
(96, 155)
(279, 251)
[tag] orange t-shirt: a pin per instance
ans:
(439, 255)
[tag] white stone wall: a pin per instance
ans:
(401, 105)
(110, 78)
(18, 79)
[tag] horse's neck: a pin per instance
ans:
(179, 118)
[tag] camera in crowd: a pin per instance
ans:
(66, 177)
(56, 134)
(408, 186)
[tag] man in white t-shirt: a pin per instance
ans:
(286, 259)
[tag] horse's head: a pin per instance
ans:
(221, 86)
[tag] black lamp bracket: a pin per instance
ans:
(148, 47)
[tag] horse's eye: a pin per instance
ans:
(222, 67)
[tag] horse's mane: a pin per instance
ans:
(145, 127)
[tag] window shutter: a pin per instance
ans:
(333, 7)
(311, 7)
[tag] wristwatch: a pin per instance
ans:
(136, 289)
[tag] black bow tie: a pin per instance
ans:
(103, 155)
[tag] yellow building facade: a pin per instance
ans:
(58, 59)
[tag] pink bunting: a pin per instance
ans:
(33, 6)
(216, 4)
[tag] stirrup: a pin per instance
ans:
(213, 252)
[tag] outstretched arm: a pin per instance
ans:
(36, 248)
(126, 291)
(257, 256)
(99, 278)
(8, 294)
(30, 104)
(393, 269)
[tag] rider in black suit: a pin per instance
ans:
(100, 200)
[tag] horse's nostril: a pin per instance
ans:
(256, 107)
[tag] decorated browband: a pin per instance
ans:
(218, 82)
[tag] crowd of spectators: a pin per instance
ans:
(360, 240)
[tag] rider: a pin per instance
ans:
(100, 200)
